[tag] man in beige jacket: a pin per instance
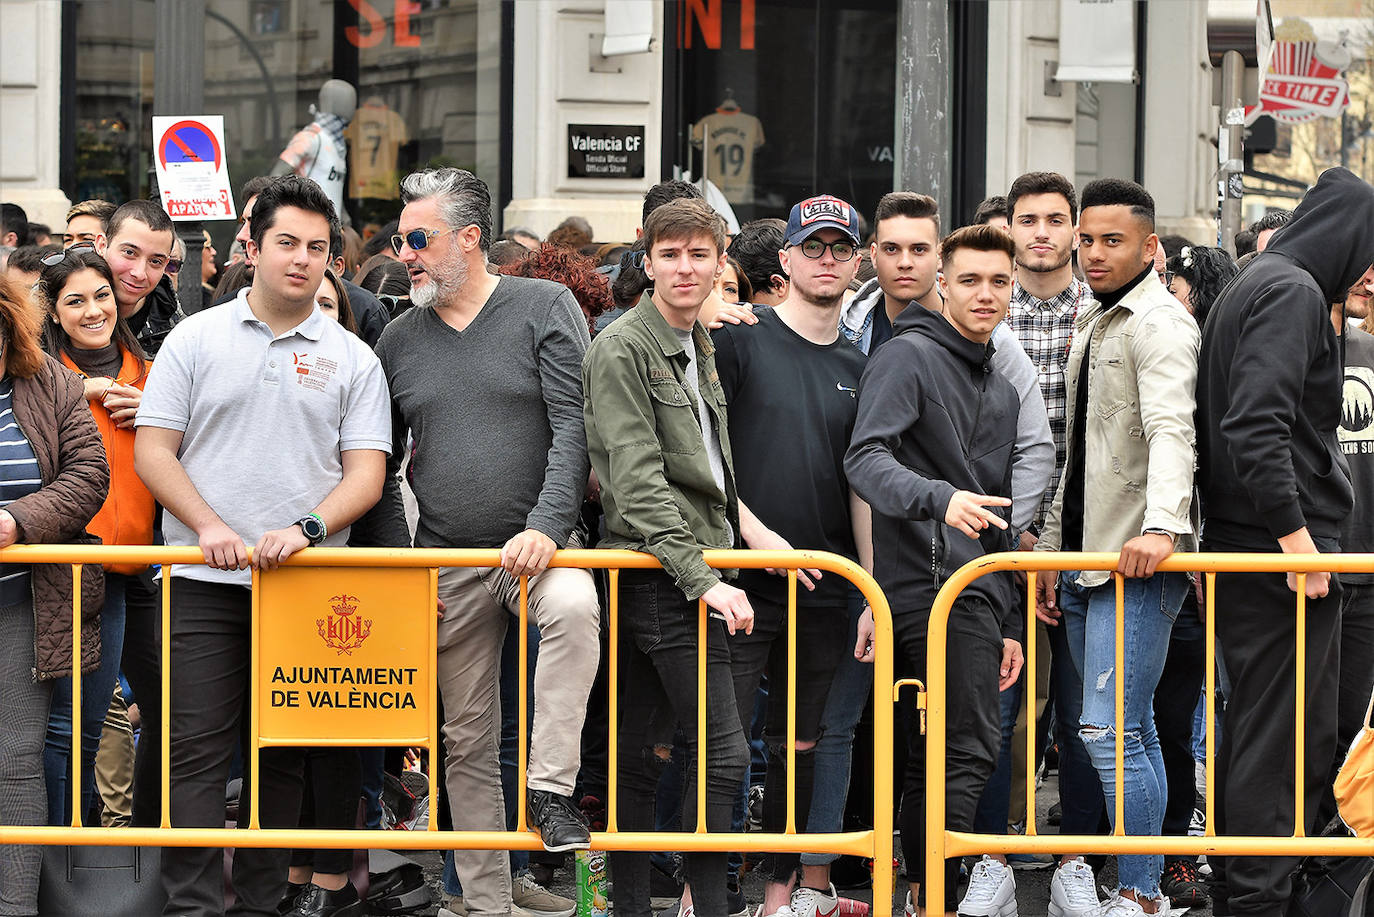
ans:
(1127, 487)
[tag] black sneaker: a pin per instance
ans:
(560, 822)
(1180, 883)
(318, 902)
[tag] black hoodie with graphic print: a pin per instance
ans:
(933, 419)
(1270, 375)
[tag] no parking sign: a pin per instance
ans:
(192, 175)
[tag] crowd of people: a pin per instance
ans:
(1054, 376)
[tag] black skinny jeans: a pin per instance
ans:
(211, 646)
(822, 643)
(658, 691)
(1256, 626)
(973, 728)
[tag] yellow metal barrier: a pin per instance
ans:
(876, 843)
(942, 843)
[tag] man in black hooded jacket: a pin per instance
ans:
(931, 453)
(1272, 478)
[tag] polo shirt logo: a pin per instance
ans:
(313, 372)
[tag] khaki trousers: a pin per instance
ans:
(114, 765)
(479, 604)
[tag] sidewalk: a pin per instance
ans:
(1032, 885)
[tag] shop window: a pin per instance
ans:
(782, 99)
(427, 78)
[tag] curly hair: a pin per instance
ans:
(1208, 270)
(576, 272)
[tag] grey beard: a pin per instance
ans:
(444, 284)
(424, 296)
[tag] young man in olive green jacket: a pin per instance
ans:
(659, 445)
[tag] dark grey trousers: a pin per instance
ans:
(23, 725)
(211, 651)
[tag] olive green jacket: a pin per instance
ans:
(646, 447)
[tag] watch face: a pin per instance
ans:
(312, 529)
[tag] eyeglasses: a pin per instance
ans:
(417, 239)
(395, 305)
(173, 266)
(840, 251)
(57, 258)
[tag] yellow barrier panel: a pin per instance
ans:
(308, 611)
(942, 844)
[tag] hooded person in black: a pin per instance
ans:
(931, 453)
(1272, 477)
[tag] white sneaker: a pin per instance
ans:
(991, 891)
(452, 906)
(910, 909)
(1120, 906)
(1073, 891)
(810, 902)
(783, 911)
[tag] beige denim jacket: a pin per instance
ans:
(1140, 443)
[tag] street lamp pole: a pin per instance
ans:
(179, 89)
(1231, 140)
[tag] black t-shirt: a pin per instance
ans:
(1071, 516)
(1356, 434)
(791, 407)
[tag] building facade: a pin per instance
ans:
(577, 107)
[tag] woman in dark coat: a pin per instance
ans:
(53, 479)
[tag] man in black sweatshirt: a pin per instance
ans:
(931, 454)
(1272, 478)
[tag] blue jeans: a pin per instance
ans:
(1151, 606)
(1080, 792)
(97, 688)
(849, 692)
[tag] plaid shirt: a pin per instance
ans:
(1045, 330)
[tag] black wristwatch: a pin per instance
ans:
(313, 528)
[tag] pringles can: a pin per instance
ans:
(591, 884)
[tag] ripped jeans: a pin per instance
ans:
(1151, 605)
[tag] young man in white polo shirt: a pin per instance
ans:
(241, 448)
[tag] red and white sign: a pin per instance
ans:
(1305, 81)
(192, 175)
